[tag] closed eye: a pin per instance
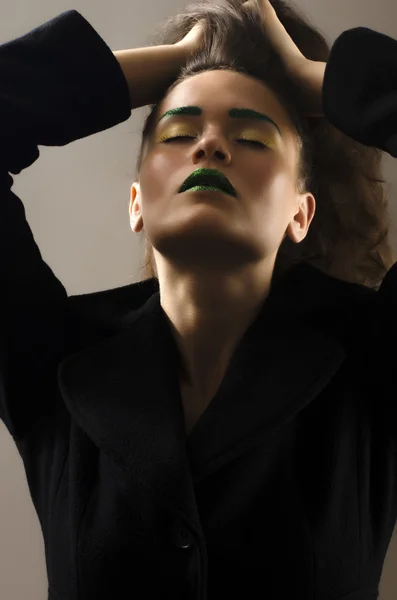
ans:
(255, 143)
(176, 137)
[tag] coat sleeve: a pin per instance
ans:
(383, 356)
(360, 99)
(360, 88)
(59, 83)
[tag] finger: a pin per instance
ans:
(276, 32)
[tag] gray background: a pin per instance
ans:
(76, 200)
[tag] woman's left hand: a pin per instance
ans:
(307, 74)
(193, 40)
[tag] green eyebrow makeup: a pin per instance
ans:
(234, 113)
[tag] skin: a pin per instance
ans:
(215, 254)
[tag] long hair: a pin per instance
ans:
(348, 236)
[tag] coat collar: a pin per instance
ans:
(124, 392)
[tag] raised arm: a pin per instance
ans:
(59, 83)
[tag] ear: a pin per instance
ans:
(135, 208)
(299, 226)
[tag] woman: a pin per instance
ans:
(227, 427)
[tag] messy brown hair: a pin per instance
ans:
(348, 237)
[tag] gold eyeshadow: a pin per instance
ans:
(251, 134)
(234, 113)
(174, 131)
(248, 134)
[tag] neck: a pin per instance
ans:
(208, 320)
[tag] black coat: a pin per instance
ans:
(287, 486)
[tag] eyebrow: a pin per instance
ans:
(234, 113)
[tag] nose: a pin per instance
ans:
(212, 146)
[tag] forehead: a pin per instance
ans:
(216, 92)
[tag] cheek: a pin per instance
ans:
(267, 177)
(151, 179)
(156, 173)
(272, 188)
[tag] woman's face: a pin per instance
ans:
(258, 156)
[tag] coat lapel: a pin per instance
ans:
(124, 392)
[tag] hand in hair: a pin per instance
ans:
(307, 74)
(193, 40)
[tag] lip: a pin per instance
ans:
(210, 178)
(206, 189)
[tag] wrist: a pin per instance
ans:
(149, 71)
(183, 50)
